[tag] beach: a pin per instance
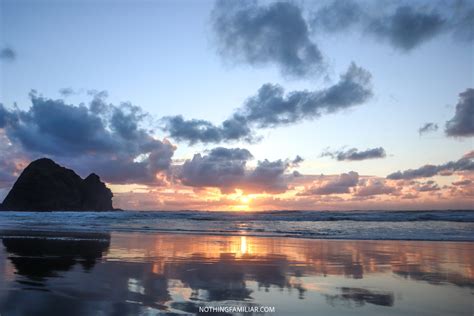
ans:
(46, 272)
(251, 157)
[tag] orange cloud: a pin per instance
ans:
(369, 193)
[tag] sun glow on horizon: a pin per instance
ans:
(245, 200)
(179, 197)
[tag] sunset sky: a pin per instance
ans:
(249, 105)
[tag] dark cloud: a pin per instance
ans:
(337, 16)
(407, 27)
(463, 20)
(271, 107)
(268, 176)
(466, 163)
(360, 297)
(7, 54)
(340, 185)
(422, 172)
(221, 167)
(4, 116)
(221, 153)
(226, 169)
(194, 131)
(403, 26)
(462, 124)
(462, 182)
(354, 154)
(106, 139)
(428, 128)
(296, 162)
(67, 92)
(275, 33)
(98, 104)
(427, 186)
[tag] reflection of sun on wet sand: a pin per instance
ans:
(326, 256)
(138, 273)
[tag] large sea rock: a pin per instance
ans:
(46, 186)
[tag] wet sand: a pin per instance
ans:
(146, 274)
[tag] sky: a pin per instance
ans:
(249, 105)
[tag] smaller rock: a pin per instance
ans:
(96, 196)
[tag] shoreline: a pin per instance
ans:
(82, 234)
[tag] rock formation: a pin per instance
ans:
(46, 186)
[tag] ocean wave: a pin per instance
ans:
(366, 216)
(399, 225)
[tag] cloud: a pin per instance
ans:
(271, 108)
(4, 116)
(427, 186)
(462, 182)
(407, 27)
(349, 183)
(360, 297)
(337, 16)
(67, 92)
(296, 162)
(7, 170)
(339, 185)
(354, 154)
(428, 128)
(466, 163)
(268, 176)
(7, 54)
(275, 33)
(463, 20)
(194, 131)
(410, 196)
(462, 124)
(373, 187)
(106, 139)
(12, 161)
(469, 155)
(403, 26)
(226, 169)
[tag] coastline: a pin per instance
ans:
(71, 233)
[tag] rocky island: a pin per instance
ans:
(46, 186)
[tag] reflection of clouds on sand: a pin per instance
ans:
(303, 257)
(140, 273)
(224, 278)
(360, 297)
(416, 272)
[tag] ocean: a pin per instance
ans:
(354, 225)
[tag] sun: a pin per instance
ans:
(244, 200)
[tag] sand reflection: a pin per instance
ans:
(139, 273)
(435, 262)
